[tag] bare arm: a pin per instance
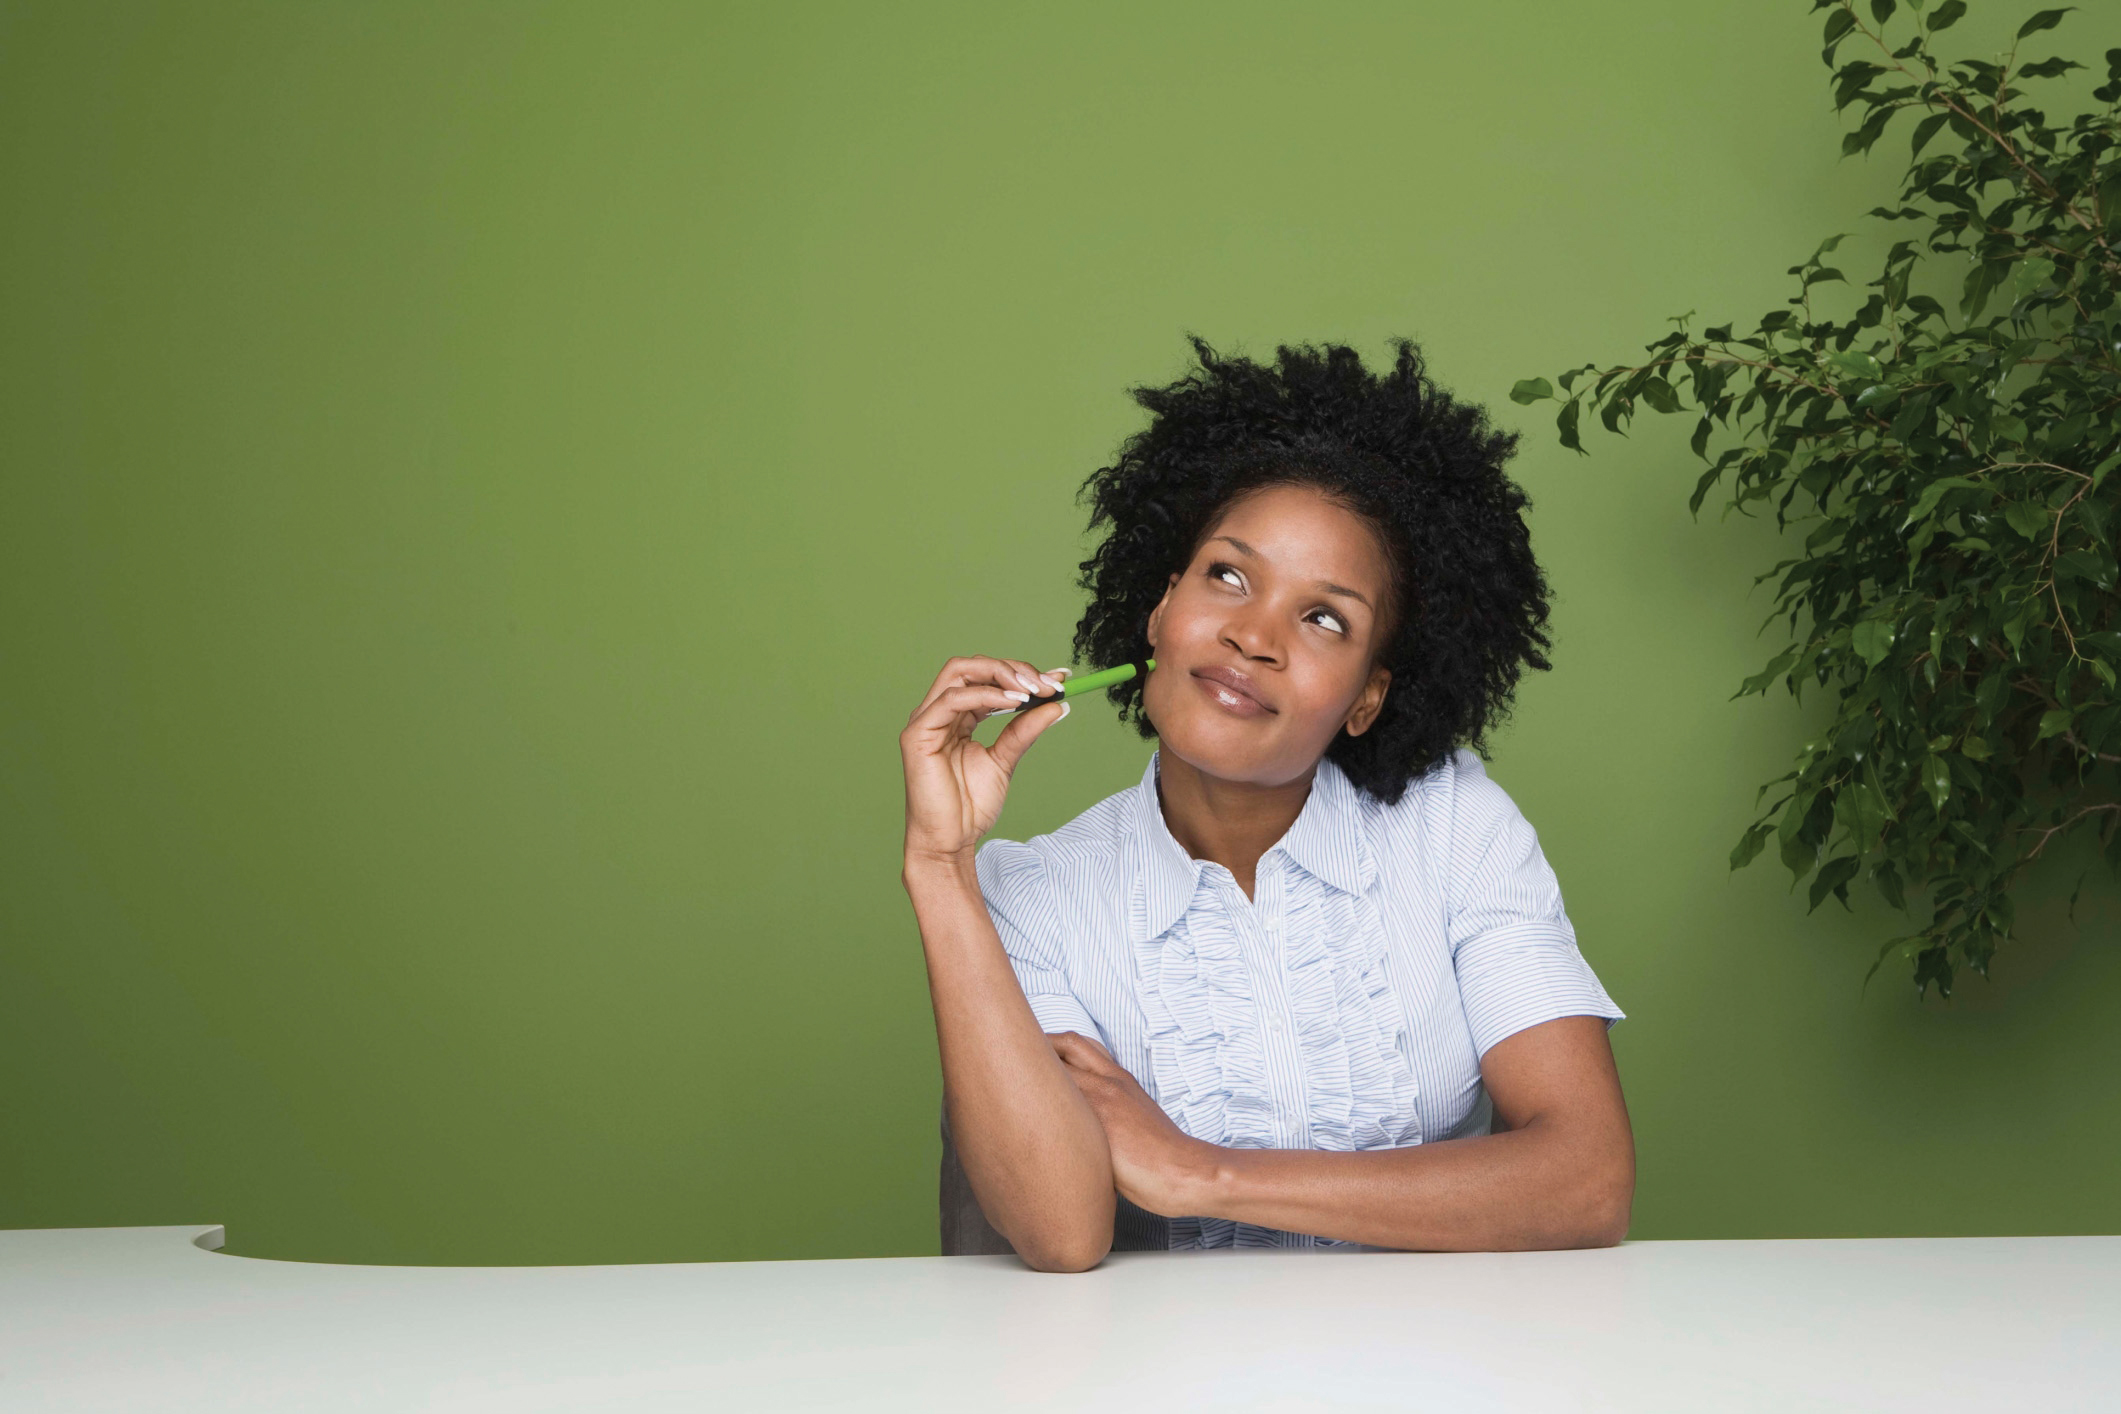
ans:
(1031, 1145)
(1563, 1175)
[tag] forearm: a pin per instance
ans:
(1547, 1185)
(1030, 1144)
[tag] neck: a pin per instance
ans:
(1231, 823)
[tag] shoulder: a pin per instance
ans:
(1082, 854)
(1454, 800)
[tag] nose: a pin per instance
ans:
(1253, 635)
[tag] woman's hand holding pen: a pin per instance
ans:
(955, 786)
(1031, 1146)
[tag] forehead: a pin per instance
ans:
(1301, 531)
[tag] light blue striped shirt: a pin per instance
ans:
(1345, 1006)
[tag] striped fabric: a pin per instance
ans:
(1345, 1007)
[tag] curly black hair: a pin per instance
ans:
(1424, 469)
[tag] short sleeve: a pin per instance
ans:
(1026, 912)
(1512, 945)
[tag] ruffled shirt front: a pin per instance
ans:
(1344, 1007)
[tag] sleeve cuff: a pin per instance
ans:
(1062, 1013)
(1521, 977)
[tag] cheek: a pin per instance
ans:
(1330, 693)
(1194, 619)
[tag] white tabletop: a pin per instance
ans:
(151, 1319)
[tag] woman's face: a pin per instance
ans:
(1265, 646)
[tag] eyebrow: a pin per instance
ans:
(1324, 586)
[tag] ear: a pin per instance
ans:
(1370, 702)
(1156, 615)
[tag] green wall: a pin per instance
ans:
(481, 486)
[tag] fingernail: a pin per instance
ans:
(1066, 708)
(1017, 696)
(1059, 672)
(1029, 684)
(1050, 683)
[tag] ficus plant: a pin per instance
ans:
(1951, 466)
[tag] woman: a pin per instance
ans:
(1310, 981)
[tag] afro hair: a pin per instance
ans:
(1426, 472)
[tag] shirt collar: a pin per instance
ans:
(1165, 876)
(1328, 838)
(1327, 841)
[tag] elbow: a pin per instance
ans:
(1610, 1227)
(1070, 1246)
(1609, 1206)
(1065, 1255)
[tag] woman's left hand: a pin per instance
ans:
(1155, 1164)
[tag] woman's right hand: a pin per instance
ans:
(955, 786)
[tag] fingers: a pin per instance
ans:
(1016, 738)
(960, 709)
(1078, 1050)
(993, 672)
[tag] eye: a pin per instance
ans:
(1227, 574)
(1326, 618)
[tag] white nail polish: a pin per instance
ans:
(1066, 708)
(1016, 696)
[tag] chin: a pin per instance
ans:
(1227, 749)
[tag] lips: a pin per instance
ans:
(1232, 691)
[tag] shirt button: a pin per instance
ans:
(1275, 1026)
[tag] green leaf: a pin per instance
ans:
(1798, 857)
(2046, 19)
(2055, 723)
(2030, 521)
(2030, 275)
(2067, 433)
(1749, 846)
(1791, 825)
(1975, 748)
(1565, 423)
(2086, 565)
(1858, 365)
(1834, 878)
(1973, 296)
(1925, 130)
(2048, 68)
(1701, 488)
(1530, 390)
(1945, 15)
(1838, 25)
(1933, 493)
(2014, 627)
(1861, 811)
(1994, 691)
(1873, 640)
(1937, 780)
(1760, 681)
(1887, 879)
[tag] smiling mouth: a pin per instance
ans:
(1231, 691)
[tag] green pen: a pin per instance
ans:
(1091, 682)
